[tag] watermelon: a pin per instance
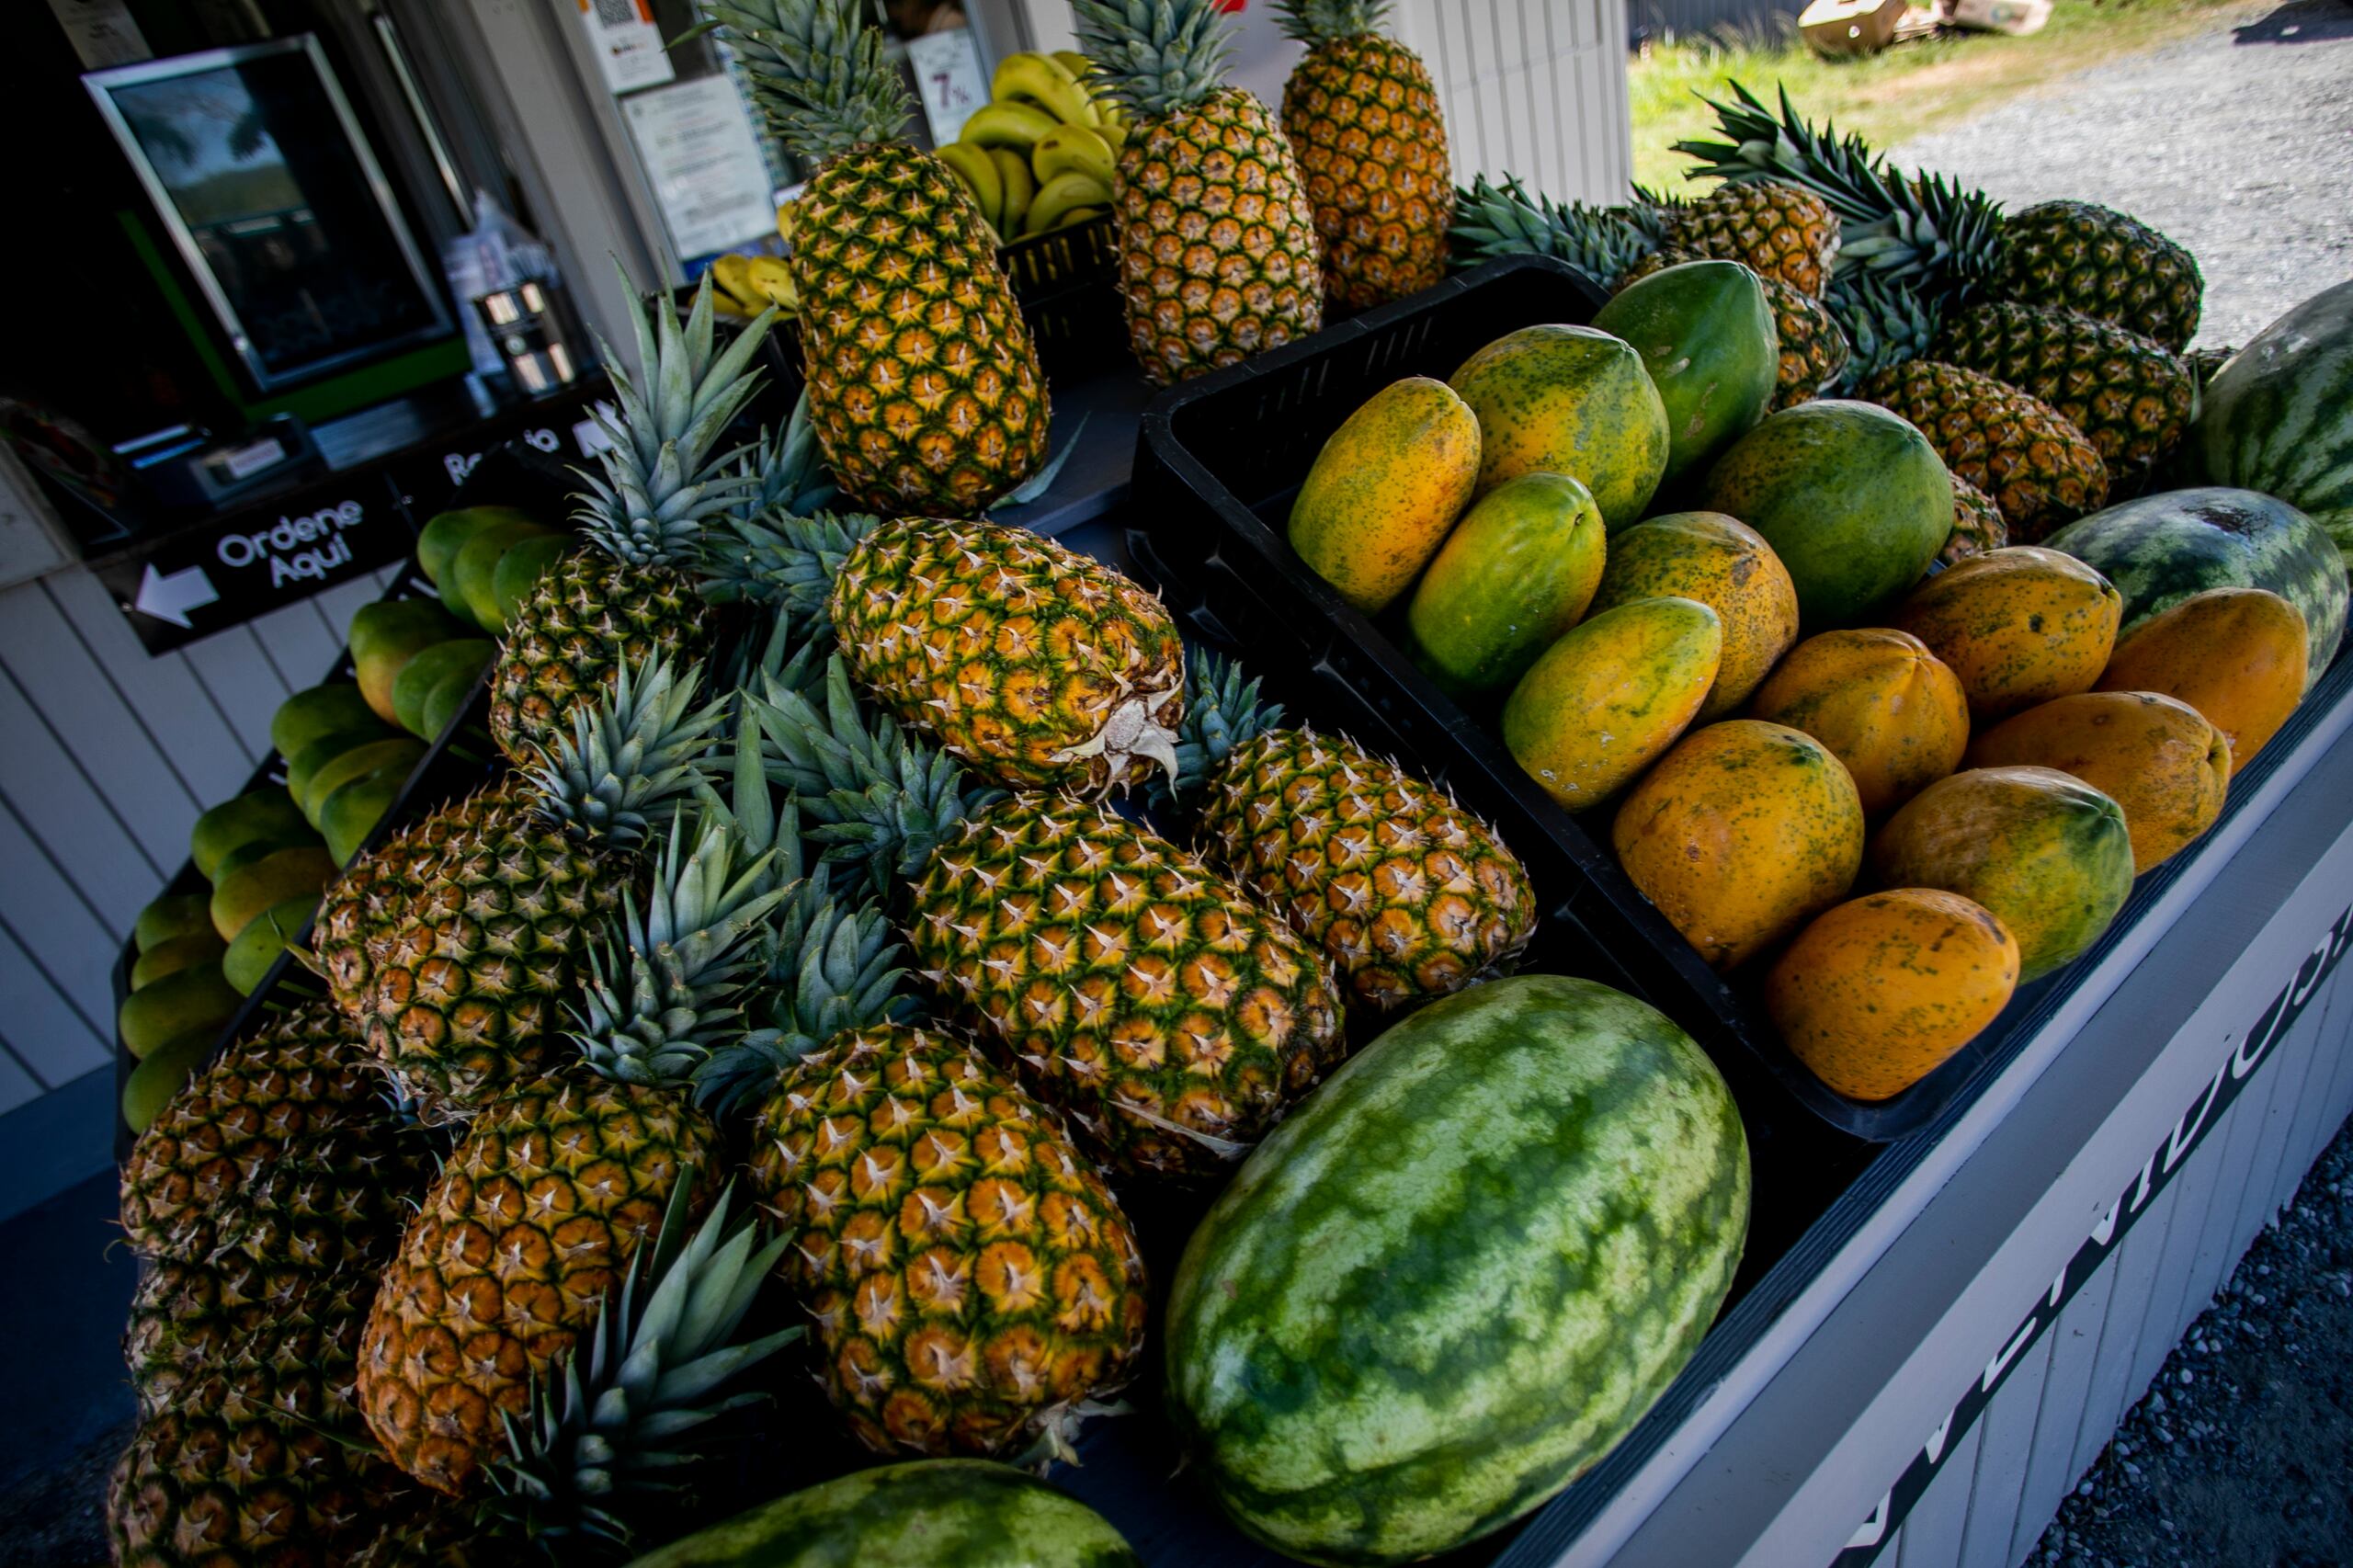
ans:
(2279, 416)
(2160, 548)
(1457, 1274)
(928, 1514)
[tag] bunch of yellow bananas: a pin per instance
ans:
(746, 285)
(1038, 155)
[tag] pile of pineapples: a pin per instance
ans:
(2043, 352)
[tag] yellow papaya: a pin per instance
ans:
(1605, 700)
(2020, 625)
(1884, 705)
(1724, 564)
(2238, 655)
(1568, 400)
(1517, 571)
(1385, 489)
(2155, 755)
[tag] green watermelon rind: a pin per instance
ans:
(2279, 416)
(1388, 1336)
(2160, 548)
(927, 1514)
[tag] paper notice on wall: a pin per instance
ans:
(948, 71)
(627, 44)
(695, 140)
(102, 32)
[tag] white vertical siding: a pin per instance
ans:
(1535, 89)
(106, 757)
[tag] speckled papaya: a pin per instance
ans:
(1605, 700)
(1385, 489)
(1517, 571)
(1885, 706)
(1880, 992)
(2238, 655)
(1726, 565)
(2046, 853)
(1568, 400)
(2020, 625)
(1742, 832)
(2155, 755)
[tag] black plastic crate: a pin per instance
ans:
(1218, 461)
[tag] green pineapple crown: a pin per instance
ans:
(834, 967)
(1601, 243)
(789, 563)
(1319, 21)
(1155, 56)
(662, 477)
(604, 1430)
(1222, 711)
(1885, 326)
(1927, 233)
(632, 757)
(818, 72)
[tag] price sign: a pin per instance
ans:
(949, 75)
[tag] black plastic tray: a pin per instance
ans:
(1218, 461)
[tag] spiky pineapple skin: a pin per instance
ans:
(1013, 653)
(1364, 123)
(363, 907)
(924, 383)
(587, 615)
(2082, 256)
(1136, 990)
(972, 1282)
(2130, 395)
(1409, 895)
(1977, 525)
(2040, 470)
(291, 1083)
(1219, 257)
(535, 1217)
(1777, 229)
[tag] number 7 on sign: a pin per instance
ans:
(949, 66)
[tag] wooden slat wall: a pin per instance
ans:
(2053, 1416)
(1531, 88)
(106, 757)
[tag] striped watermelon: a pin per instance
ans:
(1459, 1274)
(2279, 416)
(2160, 548)
(929, 1514)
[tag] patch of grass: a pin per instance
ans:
(1900, 92)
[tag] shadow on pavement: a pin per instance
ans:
(2301, 21)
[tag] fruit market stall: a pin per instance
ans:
(1656, 882)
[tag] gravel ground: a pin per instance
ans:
(2242, 1452)
(2238, 143)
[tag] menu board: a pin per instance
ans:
(695, 142)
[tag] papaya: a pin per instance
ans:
(1568, 400)
(1884, 705)
(1851, 498)
(1706, 335)
(2020, 625)
(1385, 489)
(1724, 565)
(1606, 699)
(2155, 755)
(2238, 655)
(2046, 853)
(1880, 992)
(1517, 571)
(1742, 832)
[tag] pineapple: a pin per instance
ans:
(2131, 396)
(362, 908)
(491, 939)
(1036, 667)
(1777, 229)
(1219, 258)
(304, 1074)
(560, 1182)
(629, 590)
(1134, 989)
(1410, 896)
(2040, 470)
(1977, 525)
(923, 381)
(2079, 255)
(1364, 123)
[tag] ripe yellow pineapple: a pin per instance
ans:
(2040, 470)
(1409, 895)
(363, 906)
(1219, 257)
(924, 384)
(1977, 525)
(1364, 123)
(1777, 229)
(2131, 396)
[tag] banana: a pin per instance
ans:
(1059, 195)
(787, 217)
(1077, 64)
(1007, 125)
(1073, 147)
(733, 273)
(978, 171)
(1046, 83)
(1020, 188)
(772, 283)
(1078, 215)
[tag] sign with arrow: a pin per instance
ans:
(170, 598)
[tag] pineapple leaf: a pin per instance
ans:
(1156, 57)
(1222, 711)
(631, 756)
(819, 73)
